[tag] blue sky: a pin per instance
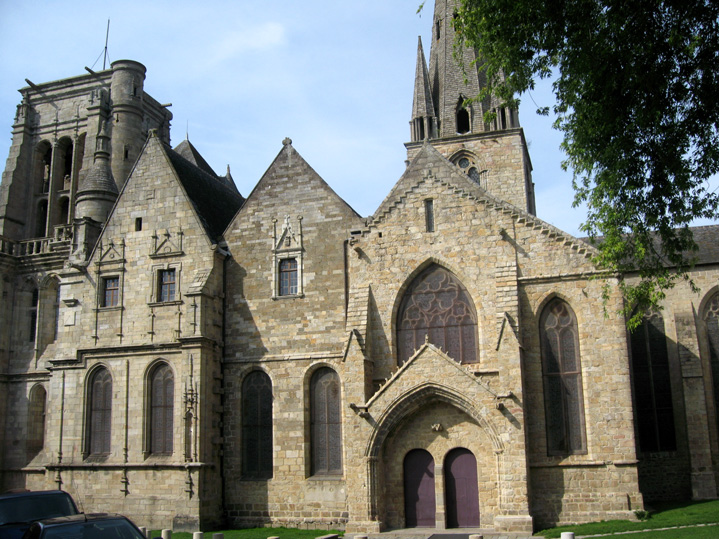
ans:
(335, 77)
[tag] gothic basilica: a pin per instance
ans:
(190, 356)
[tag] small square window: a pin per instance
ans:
(110, 291)
(166, 289)
(288, 277)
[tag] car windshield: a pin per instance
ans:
(31, 508)
(98, 529)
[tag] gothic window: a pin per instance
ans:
(99, 413)
(36, 421)
(41, 222)
(429, 215)
(34, 301)
(462, 116)
(288, 277)
(110, 291)
(326, 424)
(166, 285)
(652, 386)
(162, 394)
(437, 305)
(257, 426)
(471, 169)
(56, 312)
(711, 319)
(562, 378)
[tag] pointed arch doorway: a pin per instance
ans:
(419, 498)
(462, 493)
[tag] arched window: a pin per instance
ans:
(162, 394)
(257, 426)
(711, 320)
(41, 219)
(437, 305)
(463, 119)
(99, 414)
(36, 421)
(652, 386)
(562, 377)
(326, 422)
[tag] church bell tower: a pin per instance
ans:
(445, 114)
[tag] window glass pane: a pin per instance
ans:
(563, 405)
(162, 389)
(436, 303)
(651, 384)
(288, 277)
(100, 413)
(167, 285)
(257, 425)
(326, 422)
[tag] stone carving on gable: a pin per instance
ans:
(167, 244)
(286, 246)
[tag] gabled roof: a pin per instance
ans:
(430, 165)
(289, 163)
(215, 202)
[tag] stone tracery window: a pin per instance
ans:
(162, 394)
(711, 321)
(438, 307)
(326, 422)
(562, 378)
(652, 386)
(99, 413)
(257, 426)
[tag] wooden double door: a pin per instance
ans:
(460, 484)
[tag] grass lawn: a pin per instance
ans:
(257, 533)
(663, 515)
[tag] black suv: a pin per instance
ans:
(85, 526)
(20, 509)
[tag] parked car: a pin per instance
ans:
(84, 526)
(20, 509)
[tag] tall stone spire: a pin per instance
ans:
(453, 82)
(424, 118)
(492, 154)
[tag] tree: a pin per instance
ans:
(637, 97)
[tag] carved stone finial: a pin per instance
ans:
(287, 141)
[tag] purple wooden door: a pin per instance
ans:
(419, 501)
(462, 491)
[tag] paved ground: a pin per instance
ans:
(427, 533)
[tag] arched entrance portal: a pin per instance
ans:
(462, 494)
(419, 500)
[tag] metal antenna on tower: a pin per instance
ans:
(107, 36)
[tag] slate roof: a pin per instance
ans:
(215, 202)
(189, 152)
(706, 238)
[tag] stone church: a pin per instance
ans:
(175, 351)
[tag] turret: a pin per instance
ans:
(98, 190)
(126, 94)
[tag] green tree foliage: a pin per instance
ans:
(637, 97)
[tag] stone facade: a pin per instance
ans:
(175, 352)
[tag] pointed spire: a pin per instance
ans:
(424, 118)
